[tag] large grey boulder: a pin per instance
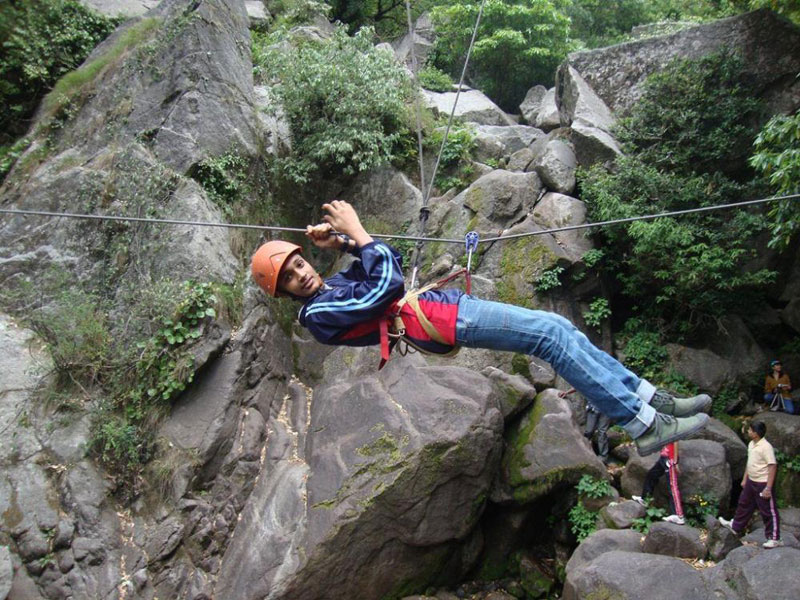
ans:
(782, 431)
(121, 8)
(497, 141)
(602, 541)
(720, 540)
(6, 572)
(420, 42)
(619, 574)
(670, 539)
(735, 448)
(529, 109)
(766, 42)
(704, 470)
(184, 117)
(548, 117)
(386, 200)
(494, 200)
(592, 144)
(556, 164)
(620, 515)
(394, 470)
(557, 210)
(148, 121)
(545, 451)
(40, 511)
(473, 106)
(757, 574)
(578, 103)
(732, 354)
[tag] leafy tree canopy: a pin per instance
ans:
(519, 44)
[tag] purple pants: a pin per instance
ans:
(749, 501)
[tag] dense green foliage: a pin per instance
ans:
(777, 157)
(602, 22)
(42, 41)
(695, 117)
(435, 80)
(686, 271)
(519, 44)
(345, 102)
(583, 521)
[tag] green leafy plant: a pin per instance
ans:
(697, 507)
(592, 257)
(344, 100)
(787, 461)
(435, 80)
(722, 399)
(777, 157)
(598, 312)
(224, 178)
(652, 515)
(591, 487)
(583, 522)
(549, 279)
(643, 350)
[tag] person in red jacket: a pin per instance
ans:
(667, 463)
(365, 304)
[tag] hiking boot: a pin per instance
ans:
(667, 404)
(666, 429)
(640, 500)
(772, 544)
(677, 519)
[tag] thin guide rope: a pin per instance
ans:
(483, 240)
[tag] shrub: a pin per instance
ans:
(435, 80)
(598, 312)
(694, 119)
(42, 41)
(695, 116)
(591, 487)
(583, 521)
(643, 350)
(343, 98)
(777, 157)
(652, 515)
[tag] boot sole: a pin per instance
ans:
(673, 438)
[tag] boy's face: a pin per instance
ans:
(299, 278)
(752, 434)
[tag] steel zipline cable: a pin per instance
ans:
(483, 240)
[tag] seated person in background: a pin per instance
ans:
(776, 386)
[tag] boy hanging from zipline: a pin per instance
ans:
(364, 304)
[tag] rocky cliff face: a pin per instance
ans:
(295, 471)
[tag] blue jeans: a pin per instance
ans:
(605, 382)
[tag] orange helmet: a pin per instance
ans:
(267, 262)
